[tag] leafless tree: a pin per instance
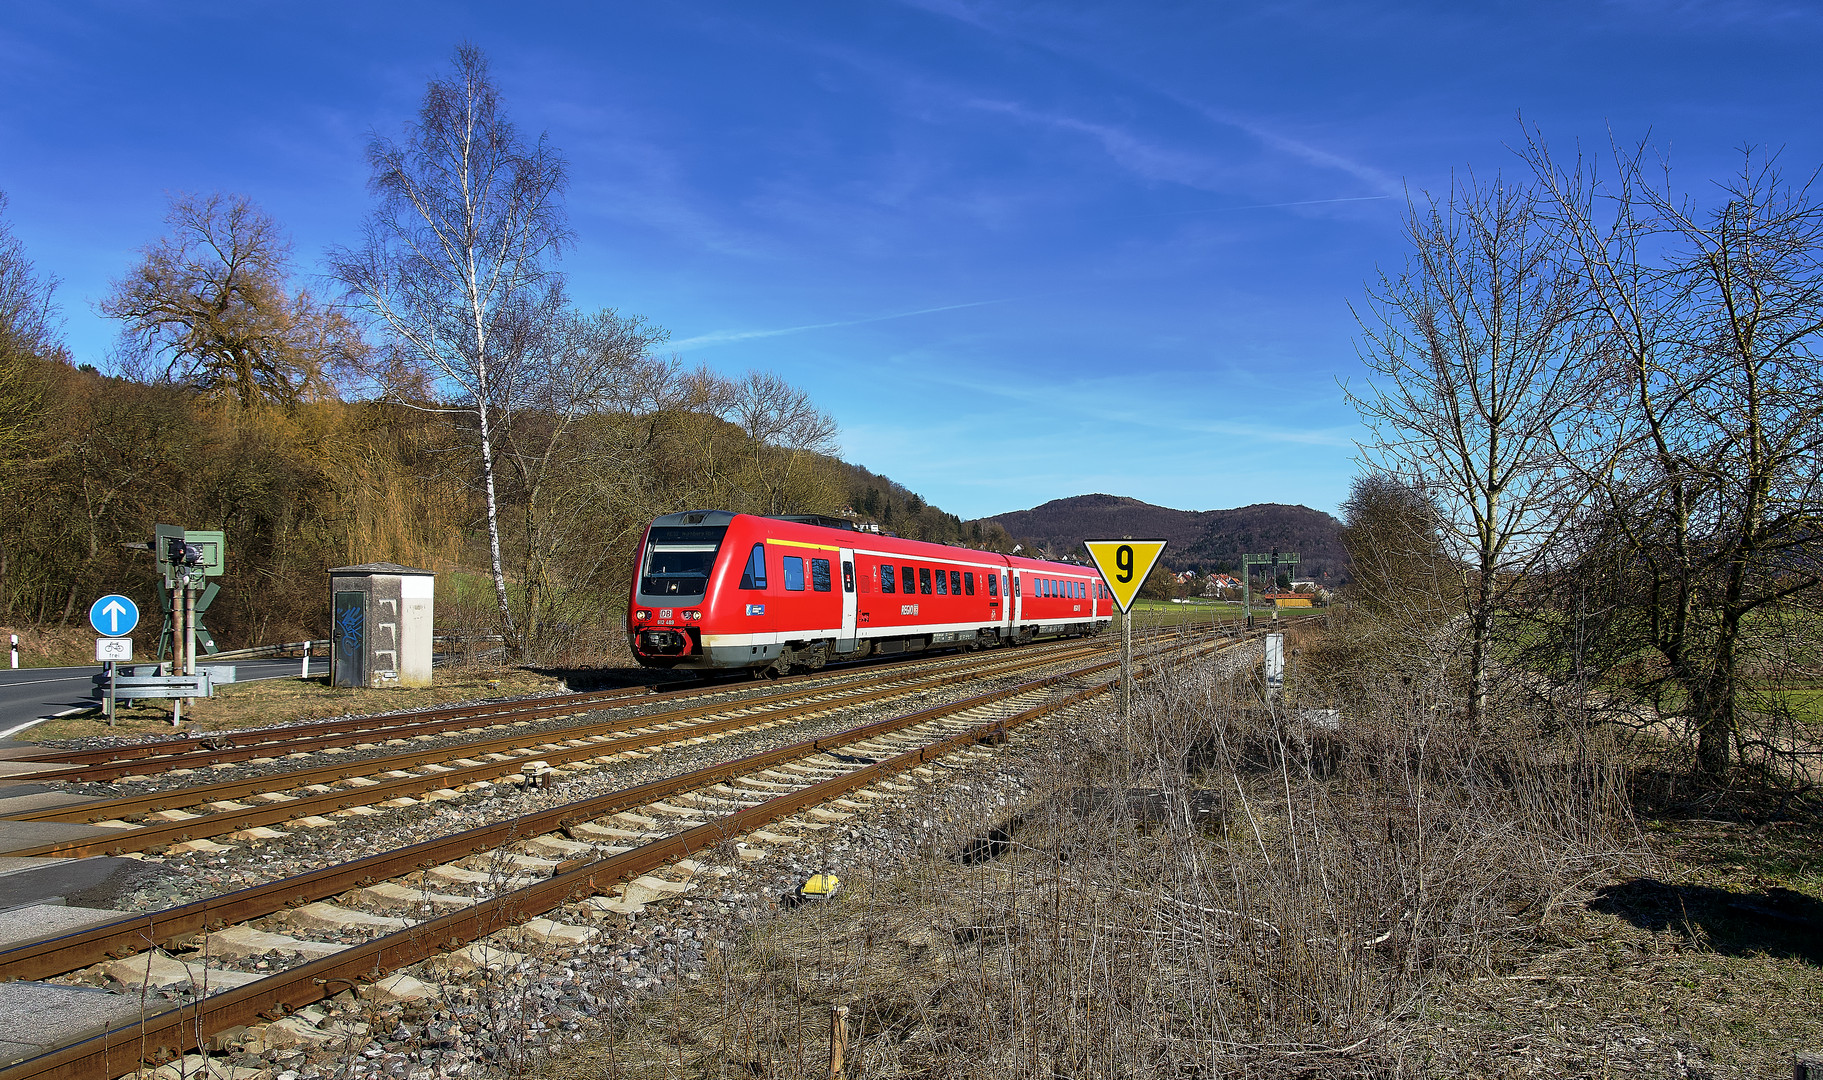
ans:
(571, 376)
(456, 263)
(1710, 317)
(773, 413)
(1482, 386)
(211, 299)
(28, 311)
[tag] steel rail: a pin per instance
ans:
(203, 749)
(228, 789)
(174, 1031)
(124, 937)
(234, 820)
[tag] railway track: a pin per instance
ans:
(443, 772)
(721, 801)
(205, 750)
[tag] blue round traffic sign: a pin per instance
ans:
(114, 615)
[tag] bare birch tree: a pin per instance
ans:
(457, 258)
(1711, 318)
(1482, 381)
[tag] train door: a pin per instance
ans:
(1018, 606)
(845, 640)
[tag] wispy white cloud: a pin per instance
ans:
(982, 18)
(1132, 152)
(1271, 206)
(1142, 401)
(723, 337)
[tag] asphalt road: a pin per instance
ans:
(29, 693)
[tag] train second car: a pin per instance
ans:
(719, 590)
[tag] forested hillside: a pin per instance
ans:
(1204, 541)
(241, 421)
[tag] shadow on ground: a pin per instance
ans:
(1775, 922)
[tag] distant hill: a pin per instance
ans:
(1201, 540)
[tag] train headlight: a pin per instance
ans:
(642, 614)
(693, 616)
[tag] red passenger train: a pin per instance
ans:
(721, 590)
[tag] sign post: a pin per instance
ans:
(113, 617)
(1124, 565)
(111, 651)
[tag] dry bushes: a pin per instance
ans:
(1221, 887)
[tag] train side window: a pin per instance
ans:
(848, 576)
(968, 582)
(819, 575)
(955, 583)
(993, 584)
(754, 577)
(942, 584)
(1015, 584)
(794, 574)
(908, 580)
(886, 577)
(924, 580)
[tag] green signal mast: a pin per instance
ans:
(1248, 562)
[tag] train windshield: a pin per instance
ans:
(678, 560)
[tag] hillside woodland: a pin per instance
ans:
(262, 422)
(1206, 541)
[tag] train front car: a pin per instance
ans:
(671, 600)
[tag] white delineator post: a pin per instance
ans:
(304, 672)
(15, 651)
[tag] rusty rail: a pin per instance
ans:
(226, 821)
(204, 749)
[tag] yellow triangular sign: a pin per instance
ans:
(1124, 565)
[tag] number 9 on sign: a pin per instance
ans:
(1124, 564)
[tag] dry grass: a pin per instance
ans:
(1397, 896)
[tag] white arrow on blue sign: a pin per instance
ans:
(114, 615)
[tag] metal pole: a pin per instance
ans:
(1126, 665)
(177, 646)
(109, 700)
(189, 627)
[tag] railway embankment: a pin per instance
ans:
(1229, 886)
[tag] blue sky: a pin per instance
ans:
(1019, 251)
